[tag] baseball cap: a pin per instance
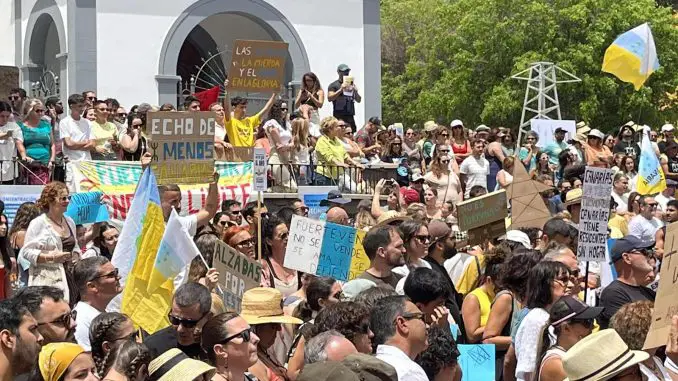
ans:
(410, 196)
(628, 244)
(519, 237)
(375, 120)
(568, 308)
(334, 196)
(456, 123)
(417, 177)
(482, 128)
(560, 129)
(438, 229)
(343, 67)
(667, 127)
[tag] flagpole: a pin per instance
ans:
(208, 267)
(259, 226)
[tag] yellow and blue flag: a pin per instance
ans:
(143, 229)
(632, 57)
(651, 177)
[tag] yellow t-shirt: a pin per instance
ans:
(103, 133)
(619, 223)
(485, 302)
(468, 279)
(241, 131)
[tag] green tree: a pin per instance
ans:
(446, 59)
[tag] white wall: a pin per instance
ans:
(7, 33)
(129, 44)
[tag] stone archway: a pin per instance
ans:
(44, 46)
(257, 10)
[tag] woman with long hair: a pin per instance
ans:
(301, 153)
(543, 166)
(628, 167)
(130, 362)
(505, 176)
(279, 133)
(528, 153)
(320, 293)
(7, 264)
(26, 213)
(50, 247)
(104, 242)
(231, 346)
(273, 273)
(393, 151)
(444, 180)
(414, 152)
(416, 241)
(495, 154)
(393, 202)
(107, 332)
(571, 321)
(39, 142)
(134, 141)
(633, 208)
(459, 141)
(351, 319)
(352, 148)
(312, 95)
(566, 160)
(364, 219)
(546, 283)
(433, 207)
(10, 133)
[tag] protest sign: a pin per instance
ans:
(86, 208)
(546, 129)
(325, 249)
(237, 274)
(257, 66)
(312, 195)
(477, 362)
(481, 211)
(182, 145)
(595, 211)
(527, 206)
(666, 301)
(260, 183)
(477, 236)
(15, 195)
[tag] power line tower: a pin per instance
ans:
(541, 94)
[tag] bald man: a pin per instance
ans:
(328, 346)
(337, 215)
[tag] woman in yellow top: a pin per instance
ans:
(332, 155)
(477, 304)
(105, 134)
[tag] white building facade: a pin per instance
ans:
(151, 50)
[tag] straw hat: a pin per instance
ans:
(574, 196)
(600, 356)
(174, 365)
(430, 126)
(263, 305)
(583, 127)
(391, 216)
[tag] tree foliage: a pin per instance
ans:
(448, 59)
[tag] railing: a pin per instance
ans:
(25, 173)
(285, 178)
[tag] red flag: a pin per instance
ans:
(207, 97)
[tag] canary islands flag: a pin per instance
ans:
(632, 57)
(144, 228)
(650, 175)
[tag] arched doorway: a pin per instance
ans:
(44, 70)
(224, 22)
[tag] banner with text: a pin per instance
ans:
(237, 274)
(118, 180)
(257, 66)
(87, 208)
(15, 195)
(182, 145)
(326, 249)
(595, 211)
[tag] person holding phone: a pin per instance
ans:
(312, 96)
(11, 142)
(343, 93)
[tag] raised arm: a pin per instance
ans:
(227, 103)
(268, 106)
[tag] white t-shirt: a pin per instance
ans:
(219, 132)
(8, 150)
(643, 228)
(622, 201)
(86, 314)
(663, 201)
(476, 171)
(79, 131)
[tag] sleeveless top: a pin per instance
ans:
(306, 100)
(485, 304)
(554, 351)
(285, 288)
(463, 149)
(142, 147)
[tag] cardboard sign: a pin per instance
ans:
(477, 236)
(481, 211)
(260, 183)
(527, 206)
(326, 249)
(477, 362)
(257, 66)
(237, 274)
(182, 145)
(85, 208)
(595, 211)
(666, 301)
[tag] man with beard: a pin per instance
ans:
(20, 340)
(386, 250)
(671, 216)
(56, 321)
(442, 248)
(630, 256)
(626, 145)
(98, 282)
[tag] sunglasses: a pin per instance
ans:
(284, 236)
(121, 115)
(245, 243)
(223, 223)
(113, 274)
(284, 109)
(65, 198)
(409, 133)
(445, 135)
(14, 98)
(187, 323)
(412, 316)
(339, 296)
(92, 98)
(246, 336)
(445, 161)
(40, 110)
(131, 337)
(423, 238)
(63, 320)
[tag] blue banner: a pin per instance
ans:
(313, 203)
(336, 251)
(86, 208)
(477, 362)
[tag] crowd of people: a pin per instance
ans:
(426, 290)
